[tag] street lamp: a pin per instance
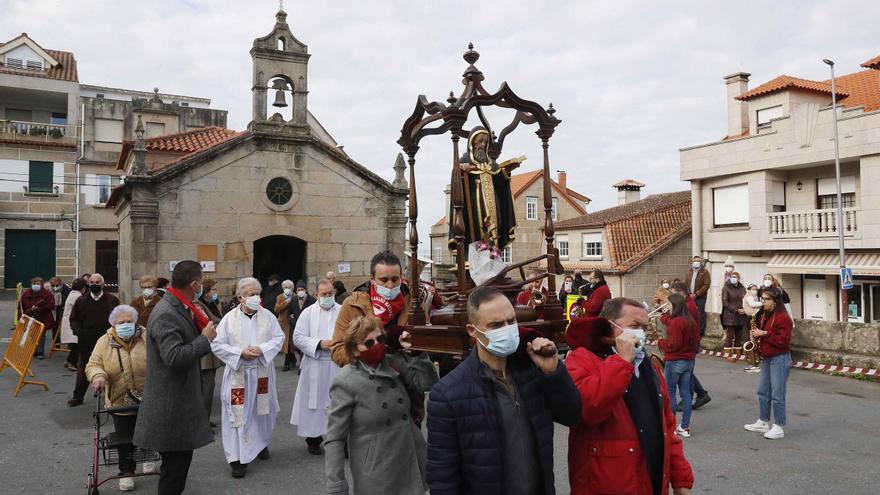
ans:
(844, 313)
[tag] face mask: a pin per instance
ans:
(374, 355)
(696, 265)
(148, 293)
(768, 282)
(56, 288)
(301, 294)
(125, 331)
(327, 302)
(638, 333)
(665, 285)
(214, 297)
(733, 280)
(387, 293)
(36, 287)
(252, 302)
(95, 288)
(288, 292)
(754, 292)
(503, 341)
(728, 269)
(568, 286)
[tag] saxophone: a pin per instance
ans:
(752, 348)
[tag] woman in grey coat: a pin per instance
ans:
(370, 408)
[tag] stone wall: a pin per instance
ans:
(827, 342)
(673, 262)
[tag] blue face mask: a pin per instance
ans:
(125, 331)
(502, 341)
(327, 302)
(387, 293)
(214, 297)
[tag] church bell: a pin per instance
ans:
(279, 87)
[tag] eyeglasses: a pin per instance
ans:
(370, 342)
(767, 298)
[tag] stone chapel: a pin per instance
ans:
(280, 197)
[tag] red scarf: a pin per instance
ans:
(200, 318)
(384, 309)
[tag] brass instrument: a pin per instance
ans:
(752, 348)
(656, 328)
(537, 299)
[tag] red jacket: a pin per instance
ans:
(44, 301)
(600, 294)
(693, 310)
(604, 452)
(778, 327)
(681, 339)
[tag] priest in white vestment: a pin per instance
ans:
(248, 339)
(312, 335)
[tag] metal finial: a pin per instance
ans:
(471, 56)
(551, 110)
(452, 99)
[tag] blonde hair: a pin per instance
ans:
(148, 279)
(356, 333)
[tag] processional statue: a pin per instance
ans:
(481, 218)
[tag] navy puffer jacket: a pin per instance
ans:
(465, 448)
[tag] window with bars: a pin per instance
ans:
(562, 245)
(14, 63)
(531, 208)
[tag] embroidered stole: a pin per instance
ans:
(237, 377)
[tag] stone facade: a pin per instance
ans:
(641, 282)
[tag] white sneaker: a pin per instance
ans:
(149, 467)
(682, 432)
(752, 369)
(775, 433)
(126, 484)
(759, 426)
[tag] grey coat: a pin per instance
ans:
(172, 415)
(370, 409)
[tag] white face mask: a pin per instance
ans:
(733, 280)
(638, 333)
(287, 292)
(327, 302)
(696, 265)
(301, 294)
(502, 341)
(148, 292)
(568, 286)
(665, 285)
(768, 282)
(728, 269)
(252, 302)
(36, 287)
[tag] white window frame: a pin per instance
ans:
(563, 246)
(588, 244)
(96, 186)
(507, 253)
(531, 207)
(730, 206)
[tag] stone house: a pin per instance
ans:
(636, 244)
(280, 197)
(528, 200)
(765, 194)
(59, 143)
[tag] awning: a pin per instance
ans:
(824, 263)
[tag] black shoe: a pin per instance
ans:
(74, 402)
(213, 424)
(40, 356)
(701, 401)
(264, 454)
(315, 449)
(238, 469)
(286, 368)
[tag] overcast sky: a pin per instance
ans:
(632, 81)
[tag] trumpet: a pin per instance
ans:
(752, 348)
(659, 309)
(537, 299)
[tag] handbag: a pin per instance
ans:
(132, 397)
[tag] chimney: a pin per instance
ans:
(561, 176)
(737, 111)
(628, 191)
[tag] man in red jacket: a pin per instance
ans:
(39, 304)
(599, 293)
(625, 442)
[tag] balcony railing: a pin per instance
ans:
(811, 224)
(38, 131)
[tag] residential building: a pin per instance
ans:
(281, 197)
(528, 200)
(636, 244)
(765, 194)
(59, 141)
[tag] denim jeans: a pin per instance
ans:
(678, 377)
(771, 387)
(701, 306)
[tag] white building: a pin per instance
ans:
(765, 194)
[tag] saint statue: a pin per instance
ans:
(489, 214)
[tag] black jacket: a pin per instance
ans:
(465, 444)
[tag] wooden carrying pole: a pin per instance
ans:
(20, 351)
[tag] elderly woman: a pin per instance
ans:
(370, 408)
(147, 299)
(118, 366)
(774, 344)
(733, 318)
(208, 303)
(661, 295)
(282, 303)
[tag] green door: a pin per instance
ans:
(29, 253)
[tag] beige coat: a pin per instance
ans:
(105, 362)
(281, 304)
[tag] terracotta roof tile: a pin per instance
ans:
(787, 82)
(190, 141)
(874, 63)
(628, 183)
(863, 88)
(650, 204)
(64, 71)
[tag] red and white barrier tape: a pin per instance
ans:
(826, 368)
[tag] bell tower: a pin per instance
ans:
(281, 73)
